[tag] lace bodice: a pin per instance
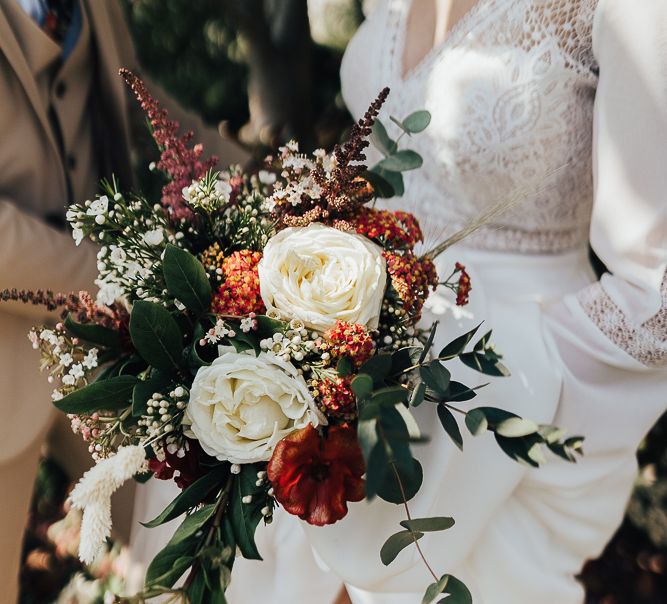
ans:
(560, 104)
(511, 91)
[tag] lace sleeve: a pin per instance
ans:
(629, 222)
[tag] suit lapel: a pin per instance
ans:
(12, 51)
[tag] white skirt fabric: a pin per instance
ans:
(521, 534)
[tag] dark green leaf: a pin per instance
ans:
(476, 422)
(246, 516)
(484, 364)
(460, 392)
(157, 382)
(194, 494)
(417, 396)
(186, 279)
(494, 415)
(483, 341)
(404, 358)
(397, 543)
(417, 121)
(377, 467)
(401, 161)
(516, 426)
(457, 346)
(450, 425)
(170, 563)
(518, 449)
(344, 367)
(458, 592)
(379, 137)
(425, 525)
(382, 186)
(156, 335)
(266, 326)
(93, 333)
(436, 377)
(378, 367)
(362, 386)
(411, 476)
(193, 523)
(429, 343)
(435, 589)
(111, 395)
(367, 436)
(390, 396)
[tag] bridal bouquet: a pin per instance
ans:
(256, 339)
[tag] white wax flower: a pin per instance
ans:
(241, 405)
(321, 275)
(154, 237)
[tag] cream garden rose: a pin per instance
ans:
(322, 275)
(242, 405)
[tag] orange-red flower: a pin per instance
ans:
(349, 340)
(463, 286)
(336, 399)
(239, 295)
(314, 477)
(392, 229)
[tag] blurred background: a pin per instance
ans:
(267, 71)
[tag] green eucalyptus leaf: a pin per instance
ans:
(367, 436)
(429, 343)
(378, 367)
(193, 495)
(93, 333)
(396, 544)
(460, 392)
(484, 364)
(495, 416)
(436, 377)
(476, 422)
(382, 186)
(401, 161)
(457, 346)
(112, 394)
(362, 386)
(458, 592)
(381, 140)
(435, 589)
(417, 396)
(377, 467)
(156, 335)
(344, 367)
(411, 476)
(450, 425)
(390, 396)
(425, 525)
(516, 426)
(417, 122)
(518, 449)
(186, 279)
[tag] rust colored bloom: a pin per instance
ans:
(411, 277)
(239, 295)
(314, 477)
(349, 340)
(392, 229)
(336, 399)
(463, 287)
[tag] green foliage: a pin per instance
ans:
(112, 395)
(186, 279)
(191, 496)
(156, 335)
(93, 333)
(396, 544)
(246, 516)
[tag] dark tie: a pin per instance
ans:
(58, 18)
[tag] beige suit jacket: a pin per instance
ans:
(33, 184)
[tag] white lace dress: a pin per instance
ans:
(567, 98)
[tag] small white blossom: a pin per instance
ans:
(66, 359)
(98, 207)
(154, 237)
(77, 235)
(90, 360)
(266, 177)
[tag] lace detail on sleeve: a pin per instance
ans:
(647, 343)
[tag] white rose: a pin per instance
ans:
(320, 275)
(242, 405)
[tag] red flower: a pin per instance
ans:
(183, 469)
(391, 229)
(315, 477)
(463, 286)
(350, 340)
(336, 398)
(412, 278)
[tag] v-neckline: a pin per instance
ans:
(459, 30)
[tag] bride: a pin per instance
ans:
(567, 99)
